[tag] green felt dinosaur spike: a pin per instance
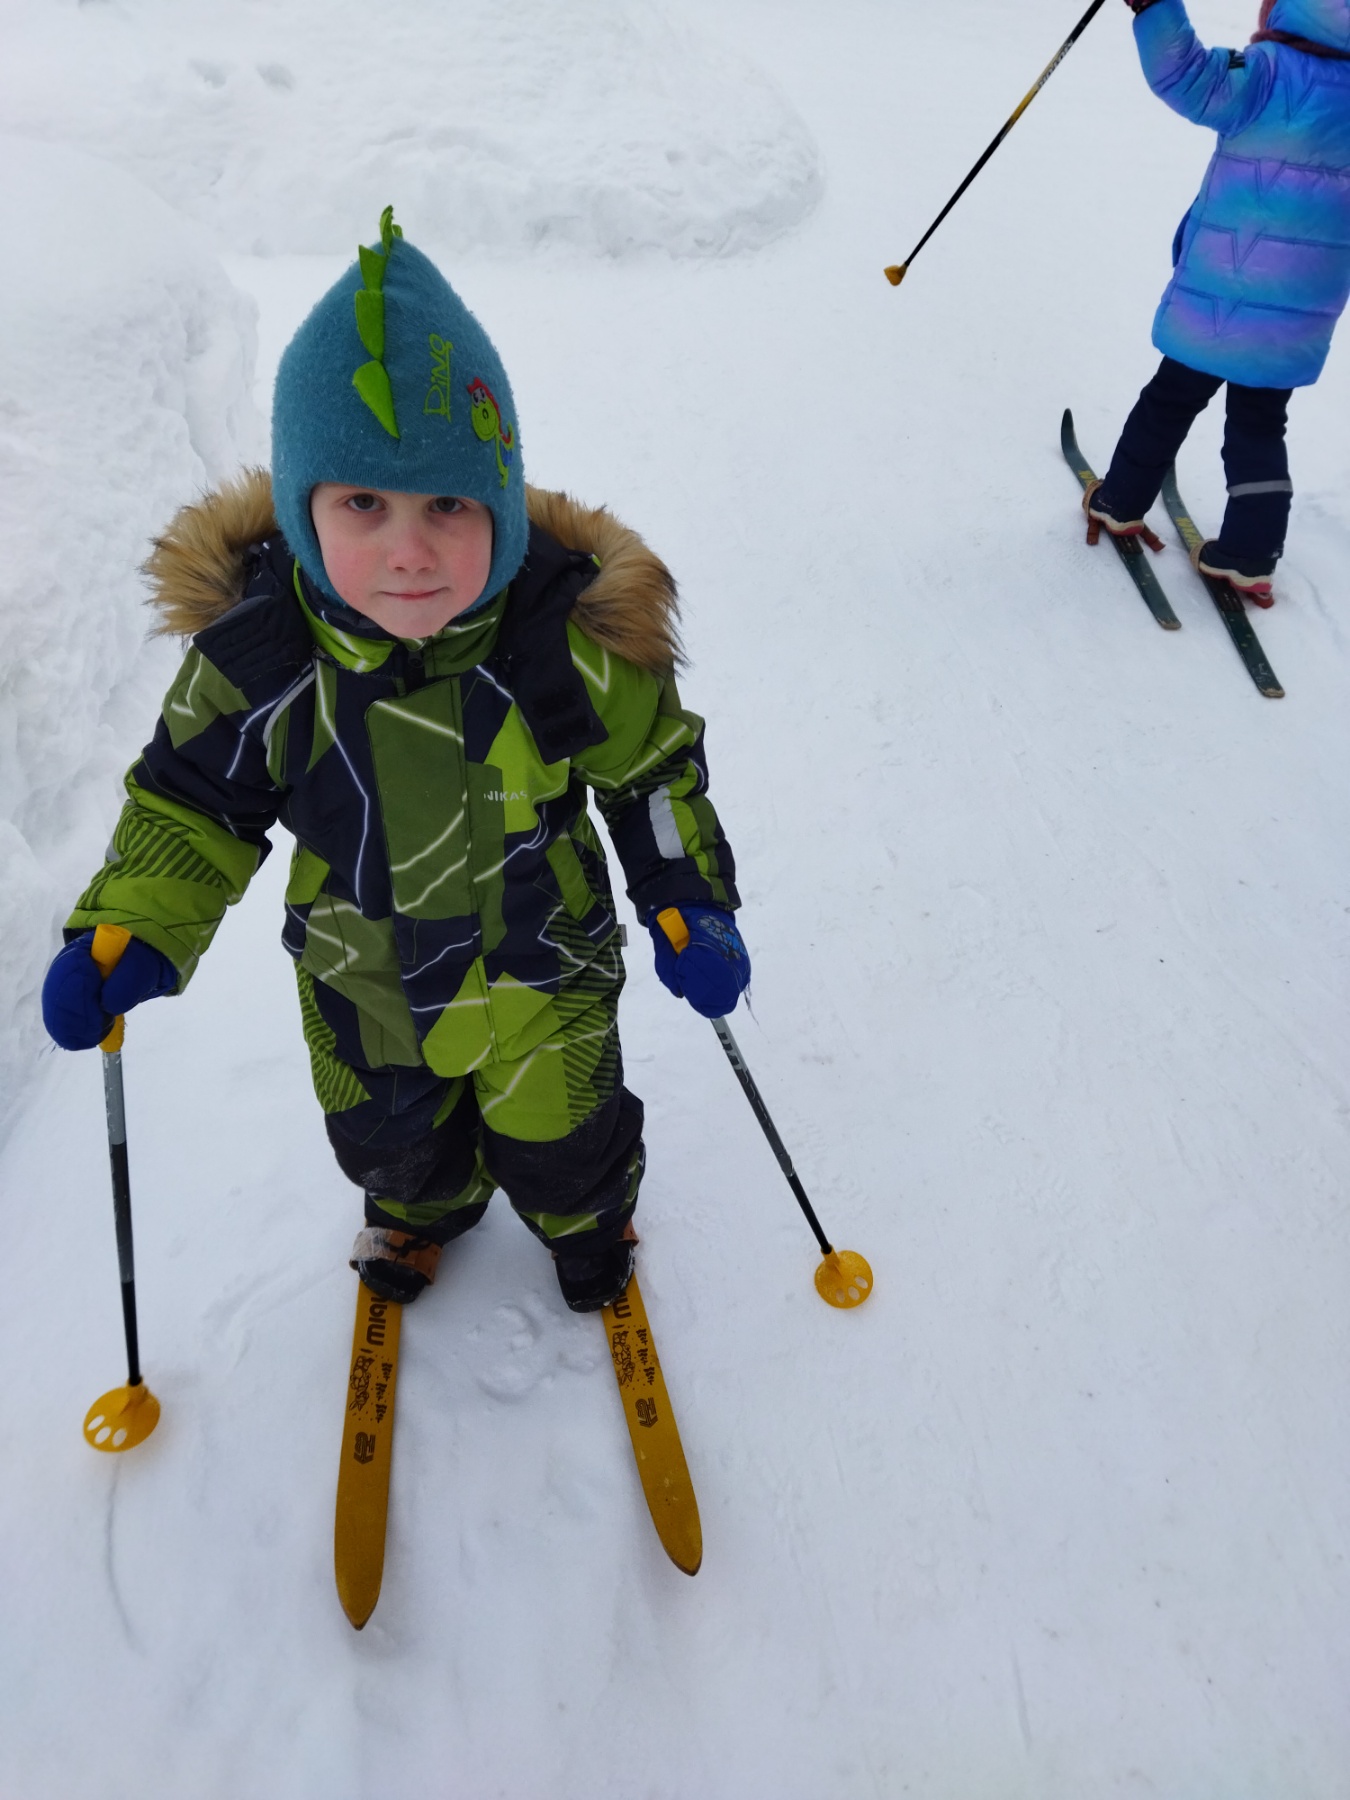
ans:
(370, 321)
(371, 382)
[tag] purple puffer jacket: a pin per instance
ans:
(1263, 256)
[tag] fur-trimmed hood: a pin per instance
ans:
(631, 608)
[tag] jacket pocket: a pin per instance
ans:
(358, 958)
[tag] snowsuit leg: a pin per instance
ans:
(584, 1182)
(561, 1133)
(422, 1169)
(556, 1128)
(1154, 432)
(1256, 463)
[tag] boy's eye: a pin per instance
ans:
(447, 503)
(363, 503)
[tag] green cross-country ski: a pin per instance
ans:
(1128, 549)
(1225, 597)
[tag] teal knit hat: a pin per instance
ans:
(392, 383)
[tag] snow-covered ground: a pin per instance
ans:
(1050, 917)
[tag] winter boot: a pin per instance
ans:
(394, 1264)
(591, 1275)
(1099, 513)
(1249, 576)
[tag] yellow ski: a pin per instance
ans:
(651, 1425)
(367, 1455)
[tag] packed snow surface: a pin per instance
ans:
(610, 125)
(1049, 912)
(125, 362)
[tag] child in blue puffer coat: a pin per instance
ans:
(1262, 269)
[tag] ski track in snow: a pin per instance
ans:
(1049, 915)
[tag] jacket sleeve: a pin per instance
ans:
(1222, 89)
(193, 829)
(651, 780)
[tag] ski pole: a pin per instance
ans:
(125, 1416)
(896, 272)
(844, 1278)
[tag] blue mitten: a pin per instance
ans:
(79, 1006)
(700, 957)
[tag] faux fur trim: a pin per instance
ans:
(196, 568)
(632, 607)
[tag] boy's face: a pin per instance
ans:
(410, 562)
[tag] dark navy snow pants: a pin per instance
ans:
(433, 1172)
(1255, 459)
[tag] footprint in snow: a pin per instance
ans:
(514, 1350)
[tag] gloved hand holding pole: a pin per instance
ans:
(896, 273)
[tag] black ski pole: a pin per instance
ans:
(896, 272)
(125, 1416)
(844, 1278)
(770, 1130)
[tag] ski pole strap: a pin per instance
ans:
(109, 943)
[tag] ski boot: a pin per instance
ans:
(1247, 576)
(1099, 514)
(396, 1265)
(592, 1275)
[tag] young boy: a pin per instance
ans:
(418, 667)
(1262, 270)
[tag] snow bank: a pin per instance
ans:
(125, 358)
(281, 126)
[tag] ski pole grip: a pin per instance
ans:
(671, 921)
(109, 943)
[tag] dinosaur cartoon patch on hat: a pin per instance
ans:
(488, 424)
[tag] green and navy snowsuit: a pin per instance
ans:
(449, 908)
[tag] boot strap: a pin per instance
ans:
(378, 1244)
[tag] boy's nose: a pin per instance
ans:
(412, 551)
